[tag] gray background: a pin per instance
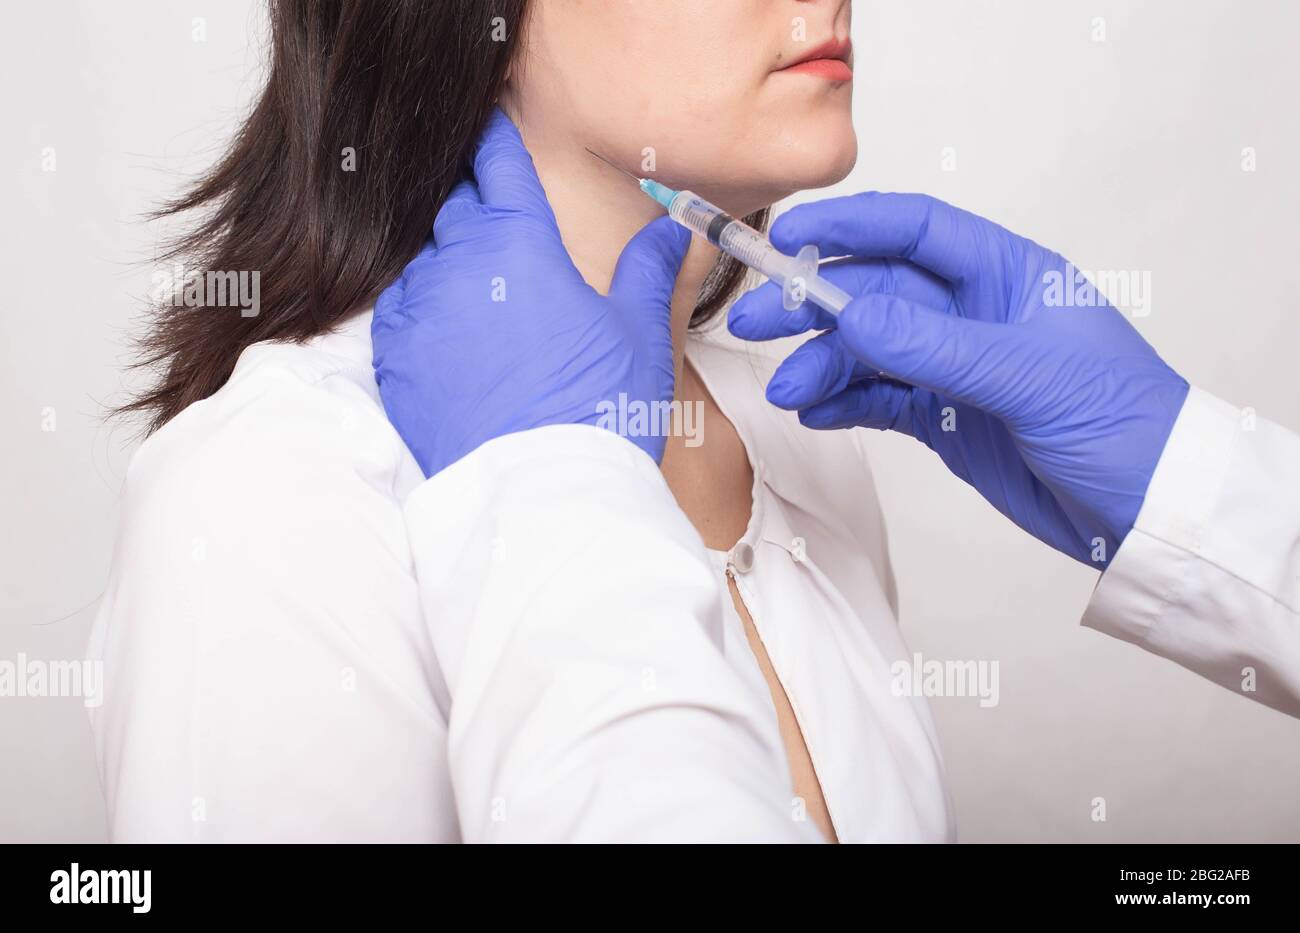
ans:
(1124, 154)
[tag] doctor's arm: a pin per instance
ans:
(570, 603)
(1030, 386)
(1209, 576)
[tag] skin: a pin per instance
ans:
(702, 86)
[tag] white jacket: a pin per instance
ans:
(304, 639)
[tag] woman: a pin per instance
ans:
(279, 673)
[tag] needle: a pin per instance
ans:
(612, 165)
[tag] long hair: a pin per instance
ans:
(331, 184)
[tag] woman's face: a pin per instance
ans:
(743, 101)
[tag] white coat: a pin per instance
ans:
(304, 639)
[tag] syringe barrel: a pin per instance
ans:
(696, 214)
(797, 274)
(732, 236)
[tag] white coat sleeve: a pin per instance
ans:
(578, 624)
(1209, 577)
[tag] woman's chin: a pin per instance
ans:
(801, 171)
(760, 169)
(821, 162)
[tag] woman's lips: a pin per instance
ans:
(829, 60)
(830, 68)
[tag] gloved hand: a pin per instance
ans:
(1055, 412)
(492, 330)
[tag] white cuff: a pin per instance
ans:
(1148, 572)
(1208, 576)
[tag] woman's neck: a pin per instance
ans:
(598, 211)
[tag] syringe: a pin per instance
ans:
(798, 275)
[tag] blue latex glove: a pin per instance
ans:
(491, 329)
(1056, 414)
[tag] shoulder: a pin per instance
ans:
(295, 444)
(262, 586)
(269, 514)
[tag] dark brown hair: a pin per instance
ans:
(405, 86)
